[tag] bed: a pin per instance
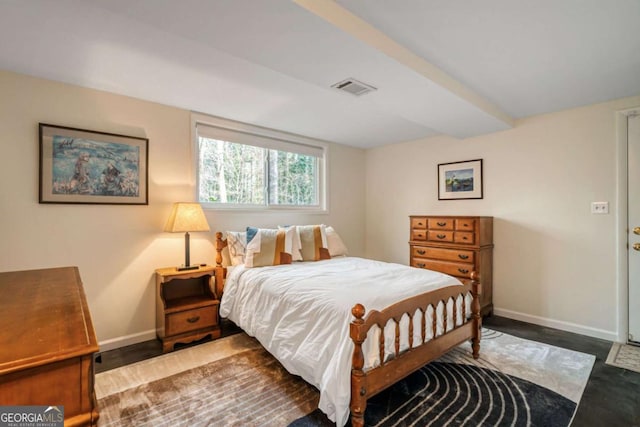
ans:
(373, 324)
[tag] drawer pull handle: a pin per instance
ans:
(463, 256)
(421, 251)
(193, 319)
(420, 224)
(441, 224)
(464, 237)
(463, 270)
(420, 264)
(441, 236)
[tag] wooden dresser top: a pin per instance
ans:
(44, 317)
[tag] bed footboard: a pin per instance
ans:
(366, 384)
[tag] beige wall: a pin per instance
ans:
(554, 261)
(117, 248)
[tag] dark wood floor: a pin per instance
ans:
(145, 350)
(611, 397)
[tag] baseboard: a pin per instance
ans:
(557, 324)
(126, 340)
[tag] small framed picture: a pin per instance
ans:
(88, 167)
(460, 180)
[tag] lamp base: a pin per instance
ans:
(190, 267)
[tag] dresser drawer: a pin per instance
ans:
(418, 222)
(440, 235)
(457, 269)
(190, 320)
(418, 234)
(465, 224)
(464, 237)
(442, 254)
(440, 223)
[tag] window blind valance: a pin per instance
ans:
(249, 138)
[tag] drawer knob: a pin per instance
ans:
(464, 237)
(193, 319)
(461, 256)
(463, 270)
(421, 251)
(441, 224)
(441, 236)
(420, 264)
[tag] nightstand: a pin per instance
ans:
(186, 306)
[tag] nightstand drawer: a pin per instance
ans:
(190, 320)
(443, 254)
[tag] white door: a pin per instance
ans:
(634, 227)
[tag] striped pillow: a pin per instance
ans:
(268, 247)
(296, 255)
(313, 242)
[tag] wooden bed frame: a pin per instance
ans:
(365, 384)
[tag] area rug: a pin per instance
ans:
(515, 382)
(624, 356)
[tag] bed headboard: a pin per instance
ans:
(221, 262)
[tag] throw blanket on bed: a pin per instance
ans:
(301, 314)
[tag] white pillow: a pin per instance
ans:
(336, 245)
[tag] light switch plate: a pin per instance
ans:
(599, 207)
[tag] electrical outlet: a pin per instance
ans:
(599, 207)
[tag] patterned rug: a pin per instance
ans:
(515, 382)
(624, 356)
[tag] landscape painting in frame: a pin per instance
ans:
(83, 166)
(460, 180)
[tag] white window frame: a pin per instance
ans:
(266, 138)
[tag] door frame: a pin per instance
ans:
(622, 218)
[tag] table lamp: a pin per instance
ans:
(186, 217)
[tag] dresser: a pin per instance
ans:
(455, 245)
(47, 343)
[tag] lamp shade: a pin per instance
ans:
(186, 217)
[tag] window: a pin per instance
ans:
(244, 166)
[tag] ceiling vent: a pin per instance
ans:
(354, 87)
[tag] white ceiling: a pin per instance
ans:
(456, 67)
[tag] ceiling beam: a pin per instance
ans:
(336, 15)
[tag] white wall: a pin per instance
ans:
(117, 248)
(554, 262)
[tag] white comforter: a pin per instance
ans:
(301, 313)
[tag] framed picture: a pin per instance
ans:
(460, 180)
(88, 167)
